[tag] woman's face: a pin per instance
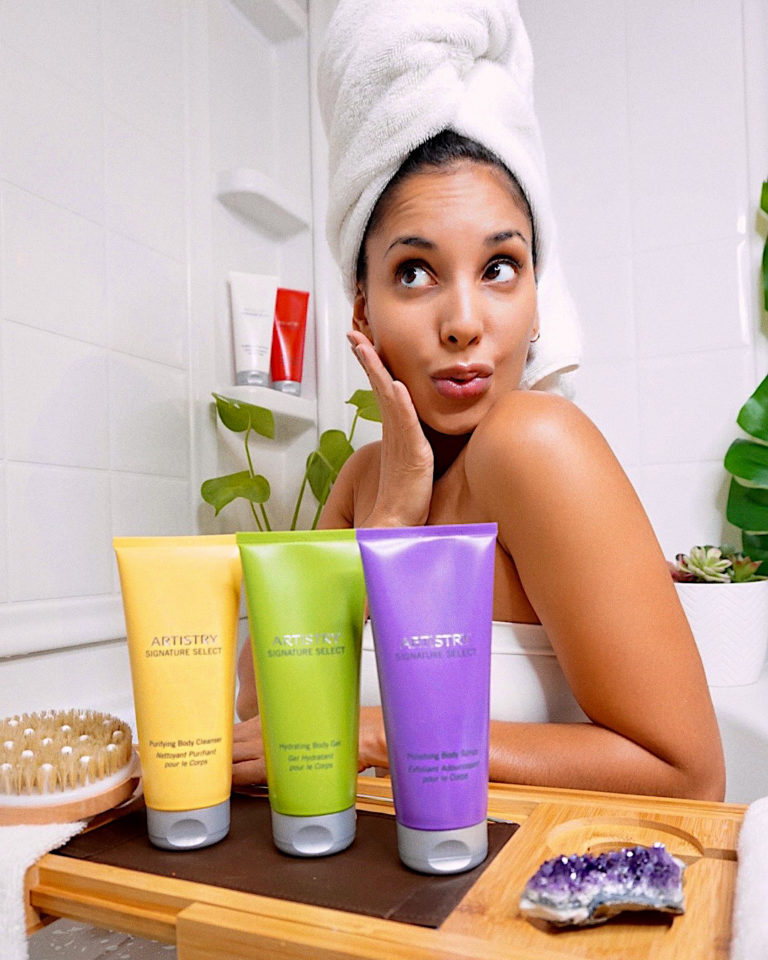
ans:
(449, 296)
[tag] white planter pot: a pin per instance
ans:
(730, 625)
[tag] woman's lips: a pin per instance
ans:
(462, 382)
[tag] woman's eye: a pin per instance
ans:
(501, 270)
(413, 275)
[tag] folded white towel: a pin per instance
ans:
(392, 74)
(20, 847)
(750, 918)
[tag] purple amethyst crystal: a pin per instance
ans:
(585, 890)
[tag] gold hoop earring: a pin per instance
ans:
(534, 339)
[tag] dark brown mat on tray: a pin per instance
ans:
(366, 878)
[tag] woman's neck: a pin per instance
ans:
(445, 448)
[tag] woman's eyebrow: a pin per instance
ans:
(504, 235)
(411, 242)
(415, 241)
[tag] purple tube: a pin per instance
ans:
(430, 592)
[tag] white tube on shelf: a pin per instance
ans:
(253, 313)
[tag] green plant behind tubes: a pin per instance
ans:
(333, 451)
(240, 417)
(321, 469)
(747, 460)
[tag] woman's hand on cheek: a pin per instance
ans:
(407, 464)
(248, 754)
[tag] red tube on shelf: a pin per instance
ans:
(288, 340)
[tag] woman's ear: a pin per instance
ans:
(536, 331)
(360, 314)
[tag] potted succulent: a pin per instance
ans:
(731, 625)
(725, 598)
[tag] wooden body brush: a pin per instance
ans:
(64, 765)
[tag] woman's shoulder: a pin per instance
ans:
(360, 463)
(535, 420)
(531, 436)
(354, 488)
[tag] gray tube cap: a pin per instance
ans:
(252, 378)
(287, 386)
(188, 829)
(314, 836)
(443, 851)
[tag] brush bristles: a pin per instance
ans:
(44, 753)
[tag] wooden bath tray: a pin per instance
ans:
(220, 924)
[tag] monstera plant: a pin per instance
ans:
(320, 471)
(747, 460)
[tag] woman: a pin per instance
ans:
(444, 314)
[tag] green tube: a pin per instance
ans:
(306, 598)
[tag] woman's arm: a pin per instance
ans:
(247, 748)
(590, 757)
(591, 567)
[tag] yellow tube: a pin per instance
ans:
(181, 597)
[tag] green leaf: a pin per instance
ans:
(236, 415)
(335, 448)
(747, 508)
(223, 490)
(367, 407)
(764, 197)
(324, 464)
(753, 416)
(319, 476)
(748, 461)
(755, 545)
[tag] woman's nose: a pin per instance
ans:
(461, 324)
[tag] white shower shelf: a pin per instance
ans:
(256, 197)
(278, 20)
(284, 406)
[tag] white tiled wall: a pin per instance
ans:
(650, 122)
(3, 555)
(94, 242)
(115, 118)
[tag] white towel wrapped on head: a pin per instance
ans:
(392, 74)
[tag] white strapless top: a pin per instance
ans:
(527, 683)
